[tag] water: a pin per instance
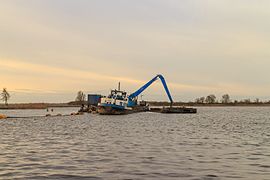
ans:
(216, 143)
(39, 112)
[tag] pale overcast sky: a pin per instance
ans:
(50, 49)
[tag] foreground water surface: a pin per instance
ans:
(216, 143)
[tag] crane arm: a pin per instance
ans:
(139, 91)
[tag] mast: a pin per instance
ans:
(119, 86)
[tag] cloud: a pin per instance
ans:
(25, 79)
(76, 74)
(200, 46)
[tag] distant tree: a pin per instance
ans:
(5, 96)
(247, 101)
(257, 100)
(200, 100)
(210, 99)
(80, 97)
(225, 99)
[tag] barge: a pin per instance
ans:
(174, 110)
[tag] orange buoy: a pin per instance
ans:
(2, 116)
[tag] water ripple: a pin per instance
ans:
(216, 143)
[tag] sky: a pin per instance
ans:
(51, 49)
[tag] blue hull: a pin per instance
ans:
(114, 106)
(111, 109)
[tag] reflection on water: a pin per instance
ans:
(216, 143)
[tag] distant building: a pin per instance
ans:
(93, 99)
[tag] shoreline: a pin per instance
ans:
(240, 104)
(35, 106)
(212, 105)
(155, 104)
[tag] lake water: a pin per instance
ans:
(216, 143)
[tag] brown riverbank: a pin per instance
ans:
(154, 103)
(151, 103)
(36, 105)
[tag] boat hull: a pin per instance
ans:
(109, 110)
(112, 110)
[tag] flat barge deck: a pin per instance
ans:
(174, 110)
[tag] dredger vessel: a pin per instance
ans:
(119, 102)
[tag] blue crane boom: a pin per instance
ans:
(139, 91)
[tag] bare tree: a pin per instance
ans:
(5, 96)
(210, 99)
(200, 100)
(80, 97)
(197, 100)
(225, 99)
(257, 100)
(247, 101)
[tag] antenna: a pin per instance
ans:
(119, 86)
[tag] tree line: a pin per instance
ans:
(210, 99)
(226, 99)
